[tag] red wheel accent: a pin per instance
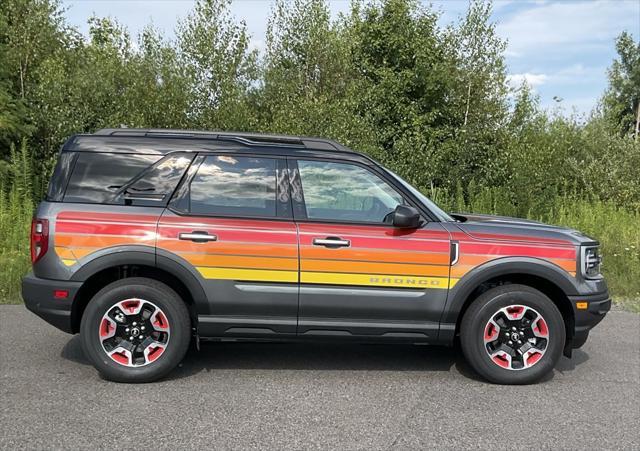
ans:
(500, 360)
(533, 358)
(155, 353)
(105, 328)
(130, 306)
(541, 328)
(161, 321)
(515, 311)
(120, 357)
(490, 332)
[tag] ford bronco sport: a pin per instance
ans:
(149, 239)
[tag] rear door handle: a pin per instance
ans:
(331, 241)
(198, 237)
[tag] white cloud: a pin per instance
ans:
(532, 80)
(558, 25)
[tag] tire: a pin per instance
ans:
(135, 330)
(512, 314)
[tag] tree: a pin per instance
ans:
(214, 50)
(622, 99)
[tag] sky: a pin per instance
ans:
(561, 48)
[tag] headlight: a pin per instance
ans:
(591, 261)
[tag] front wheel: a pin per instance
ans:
(512, 334)
(135, 330)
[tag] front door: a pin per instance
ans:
(231, 223)
(360, 276)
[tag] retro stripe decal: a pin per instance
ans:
(269, 251)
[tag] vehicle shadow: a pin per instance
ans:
(321, 356)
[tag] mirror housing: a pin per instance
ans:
(405, 217)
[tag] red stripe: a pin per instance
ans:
(113, 217)
(96, 228)
(528, 239)
(516, 250)
(378, 237)
(285, 234)
(186, 221)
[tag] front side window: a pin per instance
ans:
(345, 192)
(234, 186)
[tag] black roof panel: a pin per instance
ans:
(163, 141)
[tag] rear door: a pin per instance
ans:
(231, 223)
(360, 276)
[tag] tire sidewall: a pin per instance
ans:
(472, 334)
(160, 295)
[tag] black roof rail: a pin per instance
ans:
(249, 139)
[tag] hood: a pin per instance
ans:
(504, 228)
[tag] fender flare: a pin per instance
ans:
(499, 267)
(148, 256)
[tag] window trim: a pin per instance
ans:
(184, 187)
(294, 173)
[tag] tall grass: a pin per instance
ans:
(16, 209)
(617, 228)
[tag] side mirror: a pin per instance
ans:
(405, 217)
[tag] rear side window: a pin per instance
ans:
(97, 177)
(234, 186)
(58, 182)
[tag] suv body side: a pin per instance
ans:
(289, 273)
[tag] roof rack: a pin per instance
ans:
(249, 139)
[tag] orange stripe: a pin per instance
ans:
(468, 262)
(65, 253)
(459, 270)
(97, 240)
(219, 247)
(374, 255)
(226, 261)
(342, 266)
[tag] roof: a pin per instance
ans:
(138, 140)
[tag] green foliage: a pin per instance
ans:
(16, 208)
(430, 102)
(622, 99)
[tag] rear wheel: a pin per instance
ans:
(512, 334)
(135, 330)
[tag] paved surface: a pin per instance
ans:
(315, 396)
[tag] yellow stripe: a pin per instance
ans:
(68, 262)
(262, 275)
(377, 280)
(374, 280)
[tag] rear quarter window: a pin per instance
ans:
(97, 177)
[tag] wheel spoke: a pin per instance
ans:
(159, 321)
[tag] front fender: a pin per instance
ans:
(496, 268)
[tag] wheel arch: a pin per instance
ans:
(540, 274)
(120, 265)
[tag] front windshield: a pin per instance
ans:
(440, 214)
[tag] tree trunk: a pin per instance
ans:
(637, 121)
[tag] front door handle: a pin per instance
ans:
(198, 237)
(331, 241)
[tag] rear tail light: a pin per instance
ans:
(39, 238)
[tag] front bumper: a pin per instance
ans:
(586, 319)
(38, 295)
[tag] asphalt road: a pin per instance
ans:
(290, 396)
